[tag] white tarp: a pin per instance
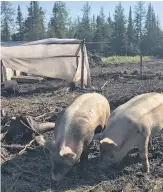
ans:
(56, 58)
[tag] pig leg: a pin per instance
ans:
(84, 155)
(150, 144)
(87, 144)
(143, 153)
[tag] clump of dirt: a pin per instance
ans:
(135, 72)
(94, 60)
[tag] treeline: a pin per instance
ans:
(139, 33)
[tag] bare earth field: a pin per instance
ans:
(30, 172)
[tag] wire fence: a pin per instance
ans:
(145, 73)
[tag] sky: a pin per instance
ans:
(74, 7)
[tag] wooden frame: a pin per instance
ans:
(82, 65)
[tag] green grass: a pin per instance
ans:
(123, 59)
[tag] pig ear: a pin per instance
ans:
(42, 142)
(68, 153)
(107, 144)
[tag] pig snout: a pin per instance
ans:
(57, 178)
(59, 170)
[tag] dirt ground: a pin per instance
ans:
(30, 172)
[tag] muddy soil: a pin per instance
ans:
(30, 172)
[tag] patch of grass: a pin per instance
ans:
(123, 59)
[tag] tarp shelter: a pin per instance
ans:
(7, 73)
(55, 58)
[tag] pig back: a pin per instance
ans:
(153, 120)
(139, 106)
(90, 109)
(142, 111)
(81, 118)
(147, 112)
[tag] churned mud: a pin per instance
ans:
(30, 172)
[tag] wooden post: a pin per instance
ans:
(82, 64)
(1, 72)
(141, 67)
(14, 71)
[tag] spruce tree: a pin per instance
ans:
(154, 35)
(131, 39)
(93, 32)
(34, 28)
(7, 14)
(38, 21)
(108, 36)
(19, 22)
(106, 25)
(70, 29)
(77, 26)
(29, 24)
(57, 26)
(150, 35)
(85, 24)
(139, 22)
(98, 36)
(109, 19)
(93, 26)
(119, 31)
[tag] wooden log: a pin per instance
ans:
(144, 77)
(27, 79)
(30, 123)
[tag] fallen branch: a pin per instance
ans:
(26, 146)
(44, 115)
(144, 77)
(14, 146)
(90, 90)
(28, 127)
(93, 187)
(2, 135)
(39, 127)
(109, 74)
(2, 156)
(3, 114)
(104, 85)
(7, 124)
